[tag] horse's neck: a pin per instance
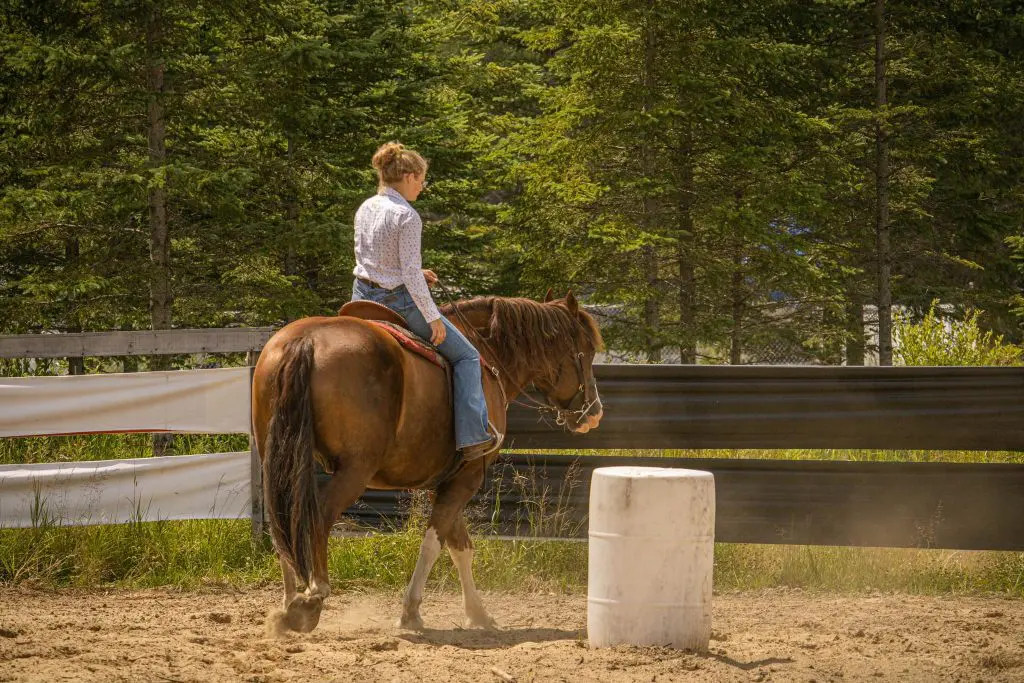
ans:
(472, 313)
(476, 313)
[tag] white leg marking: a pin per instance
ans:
(476, 614)
(429, 550)
(289, 583)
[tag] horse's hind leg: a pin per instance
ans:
(336, 495)
(289, 583)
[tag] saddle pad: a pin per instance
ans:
(412, 342)
(418, 345)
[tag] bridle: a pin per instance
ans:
(578, 405)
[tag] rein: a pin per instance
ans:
(561, 419)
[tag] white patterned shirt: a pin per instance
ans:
(388, 232)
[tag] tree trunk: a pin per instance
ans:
(76, 364)
(159, 243)
(854, 332)
(291, 216)
(738, 305)
(652, 314)
(684, 256)
(883, 257)
(291, 211)
(687, 317)
(652, 309)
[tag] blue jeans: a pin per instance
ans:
(470, 405)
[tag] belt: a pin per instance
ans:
(370, 282)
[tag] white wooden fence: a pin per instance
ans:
(209, 486)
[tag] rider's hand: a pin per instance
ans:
(430, 276)
(437, 332)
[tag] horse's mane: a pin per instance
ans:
(521, 331)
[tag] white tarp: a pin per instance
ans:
(199, 401)
(212, 486)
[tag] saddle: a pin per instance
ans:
(395, 325)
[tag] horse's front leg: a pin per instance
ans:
(460, 547)
(430, 548)
(446, 526)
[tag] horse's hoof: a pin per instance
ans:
(304, 613)
(411, 623)
(485, 622)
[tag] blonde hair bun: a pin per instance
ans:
(393, 161)
(387, 154)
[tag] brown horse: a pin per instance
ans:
(343, 391)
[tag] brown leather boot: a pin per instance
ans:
(486, 448)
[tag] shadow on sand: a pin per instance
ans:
(748, 666)
(474, 639)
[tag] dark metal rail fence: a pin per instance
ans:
(941, 505)
(932, 505)
(664, 406)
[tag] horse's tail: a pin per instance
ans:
(289, 475)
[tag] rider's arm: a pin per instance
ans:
(411, 261)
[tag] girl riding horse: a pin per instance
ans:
(342, 391)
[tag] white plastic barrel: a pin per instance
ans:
(652, 537)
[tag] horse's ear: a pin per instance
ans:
(550, 295)
(571, 302)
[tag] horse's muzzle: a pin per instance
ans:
(588, 422)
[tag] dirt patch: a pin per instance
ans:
(780, 635)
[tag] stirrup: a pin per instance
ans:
(482, 450)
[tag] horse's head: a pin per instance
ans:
(550, 345)
(572, 390)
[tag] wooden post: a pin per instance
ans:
(256, 468)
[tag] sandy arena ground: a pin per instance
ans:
(778, 635)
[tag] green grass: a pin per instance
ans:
(386, 561)
(19, 451)
(803, 454)
(199, 553)
(747, 567)
(136, 554)
(116, 446)
(196, 553)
